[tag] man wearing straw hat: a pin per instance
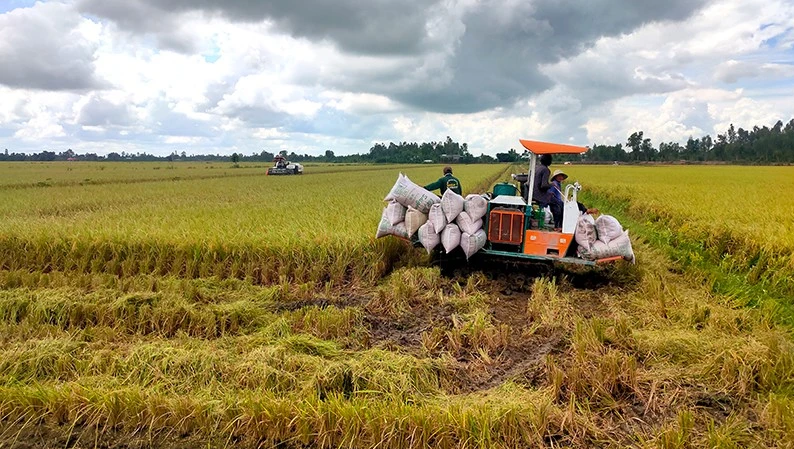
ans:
(557, 202)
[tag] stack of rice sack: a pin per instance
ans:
(407, 209)
(455, 221)
(603, 237)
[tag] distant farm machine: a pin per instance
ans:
(281, 166)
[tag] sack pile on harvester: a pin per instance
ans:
(451, 221)
(602, 237)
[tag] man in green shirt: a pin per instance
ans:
(446, 182)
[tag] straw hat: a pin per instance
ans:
(558, 172)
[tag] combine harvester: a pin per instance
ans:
(514, 228)
(281, 166)
(505, 227)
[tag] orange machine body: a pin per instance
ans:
(506, 226)
(547, 243)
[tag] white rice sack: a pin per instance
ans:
(386, 228)
(396, 212)
(476, 206)
(437, 217)
(450, 237)
(428, 236)
(413, 220)
(608, 228)
(471, 243)
(548, 217)
(452, 205)
(407, 193)
(620, 246)
(592, 253)
(585, 233)
(467, 225)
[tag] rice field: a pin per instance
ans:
(250, 311)
(738, 217)
(315, 228)
(48, 174)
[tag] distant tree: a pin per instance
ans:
(635, 143)
(235, 159)
(510, 156)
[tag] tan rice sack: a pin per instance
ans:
(413, 220)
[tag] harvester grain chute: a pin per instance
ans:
(281, 166)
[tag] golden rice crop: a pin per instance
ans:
(23, 175)
(740, 217)
(208, 312)
(312, 228)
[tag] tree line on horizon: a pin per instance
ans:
(761, 145)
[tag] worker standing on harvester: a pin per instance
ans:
(541, 190)
(446, 182)
(556, 197)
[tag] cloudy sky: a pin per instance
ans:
(223, 76)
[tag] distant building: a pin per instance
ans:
(427, 161)
(450, 157)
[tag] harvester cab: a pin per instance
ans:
(516, 227)
(281, 166)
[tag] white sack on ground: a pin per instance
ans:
(608, 228)
(450, 237)
(620, 246)
(476, 206)
(395, 212)
(409, 194)
(428, 237)
(471, 243)
(413, 220)
(386, 228)
(437, 217)
(585, 232)
(467, 225)
(452, 205)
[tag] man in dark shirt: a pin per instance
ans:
(446, 182)
(541, 190)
